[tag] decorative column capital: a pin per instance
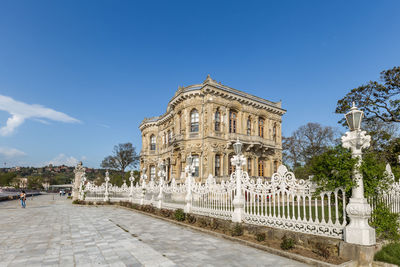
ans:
(356, 141)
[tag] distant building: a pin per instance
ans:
(204, 120)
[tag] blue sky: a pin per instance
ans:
(98, 68)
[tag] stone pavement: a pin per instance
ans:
(53, 232)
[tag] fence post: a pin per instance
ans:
(161, 174)
(106, 194)
(238, 202)
(81, 187)
(131, 179)
(142, 197)
(189, 169)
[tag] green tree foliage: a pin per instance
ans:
(378, 100)
(385, 222)
(7, 178)
(35, 182)
(333, 169)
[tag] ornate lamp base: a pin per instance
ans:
(358, 231)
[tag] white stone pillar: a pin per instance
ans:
(106, 194)
(79, 172)
(189, 170)
(359, 211)
(131, 179)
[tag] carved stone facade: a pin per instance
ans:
(204, 120)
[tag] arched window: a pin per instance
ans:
(232, 121)
(248, 126)
(194, 121)
(196, 165)
(152, 142)
(231, 167)
(274, 132)
(260, 167)
(217, 171)
(152, 172)
(217, 121)
(249, 166)
(261, 127)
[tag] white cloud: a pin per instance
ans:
(20, 112)
(11, 152)
(62, 159)
(104, 125)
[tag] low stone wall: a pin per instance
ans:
(13, 197)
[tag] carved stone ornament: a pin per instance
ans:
(356, 140)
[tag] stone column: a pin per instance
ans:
(79, 172)
(359, 211)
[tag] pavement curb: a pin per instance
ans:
(285, 254)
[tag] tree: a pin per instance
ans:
(124, 155)
(334, 169)
(308, 141)
(378, 100)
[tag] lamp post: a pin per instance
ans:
(131, 179)
(161, 174)
(106, 194)
(359, 211)
(238, 202)
(144, 178)
(189, 170)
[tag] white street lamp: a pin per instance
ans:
(359, 211)
(238, 202)
(189, 170)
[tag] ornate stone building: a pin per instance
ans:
(205, 120)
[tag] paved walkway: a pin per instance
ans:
(53, 232)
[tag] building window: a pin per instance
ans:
(196, 165)
(152, 172)
(248, 126)
(275, 166)
(169, 136)
(231, 167)
(194, 121)
(152, 142)
(261, 127)
(274, 132)
(260, 168)
(217, 165)
(217, 121)
(249, 166)
(232, 121)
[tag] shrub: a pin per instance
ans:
(179, 215)
(190, 218)
(214, 224)
(166, 212)
(203, 222)
(385, 222)
(287, 243)
(90, 203)
(148, 208)
(389, 253)
(237, 230)
(260, 237)
(322, 250)
(78, 201)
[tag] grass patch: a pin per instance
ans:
(389, 253)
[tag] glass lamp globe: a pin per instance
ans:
(354, 118)
(190, 159)
(237, 147)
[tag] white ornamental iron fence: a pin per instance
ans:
(284, 202)
(390, 197)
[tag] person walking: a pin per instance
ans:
(22, 196)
